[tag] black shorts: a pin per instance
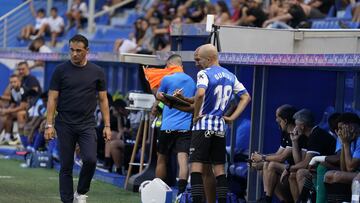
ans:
(174, 141)
(208, 147)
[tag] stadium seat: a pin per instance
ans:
(239, 169)
(324, 120)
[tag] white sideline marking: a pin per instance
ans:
(6, 177)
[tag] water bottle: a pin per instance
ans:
(355, 188)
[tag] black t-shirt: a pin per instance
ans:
(29, 82)
(326, 5)
(259, 14)
(286, 142)
(78, 87)
(298, 15)
(321, 142)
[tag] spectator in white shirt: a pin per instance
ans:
(54, 26)
(40, 20)
(78, 13)
(38, 45)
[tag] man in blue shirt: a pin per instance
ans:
(338, 182)
(215, 85)
(175, 128)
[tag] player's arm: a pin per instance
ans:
(245, 98)
(22, 107)
(104, 108)
(351, 163)
(199, 99)
(5, 98)
(179, 95)
(51, 106)
(302, 164)
(333, 159)
(189, 108)
(279, 157)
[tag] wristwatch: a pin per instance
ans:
(49, 126)
(263, 157)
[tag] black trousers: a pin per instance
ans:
(68, 136)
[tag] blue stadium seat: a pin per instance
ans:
(332, 12)
(112, 33)
(239, 169)
(348, 12)
(324, 120)
(132, 17)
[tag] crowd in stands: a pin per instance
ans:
(151, 30)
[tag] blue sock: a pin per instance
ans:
(39, 140)
(24, 140)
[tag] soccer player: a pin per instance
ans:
(215, 85)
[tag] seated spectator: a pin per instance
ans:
(4, 102)
(237, 8)
(162, 35)
(319, 142)
(274, 164)
(5, 97)
(296, 17)
(28, 81)
(222, 13)
(54, 26)
(116, 145)
(29, 31)
(34, 120)
(77, 15)
(195, 11)
(253, 15)
(277, 8)
(327, 162)
(17, 109)
(338, 183)
(322, 5)
(124, 45)
(38, 45)
(146, 42)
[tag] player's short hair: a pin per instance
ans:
(305, 116)
(287, 112)
(15, 76)
(80, 38)
(22, 63)
(349, 117)
(175, 59)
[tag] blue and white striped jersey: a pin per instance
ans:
(219, 85)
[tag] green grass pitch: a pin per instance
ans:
(29, 185)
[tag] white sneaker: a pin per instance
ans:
(79, 198)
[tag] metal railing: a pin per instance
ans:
(12, 22)
(93, 15)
